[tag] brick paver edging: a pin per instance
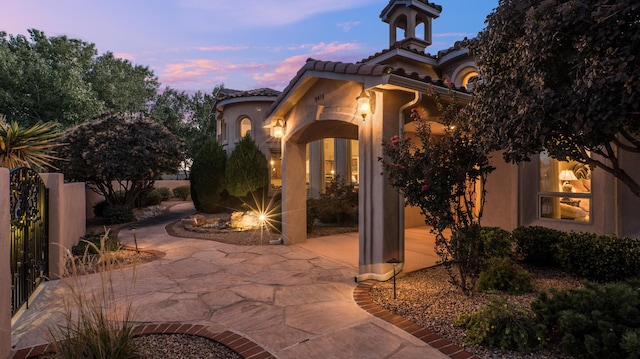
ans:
(236, 342)
(363, 299)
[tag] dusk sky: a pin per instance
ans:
(244, 44)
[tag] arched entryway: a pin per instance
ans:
(381, 231)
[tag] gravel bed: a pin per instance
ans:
(244, 238)
(427, 298)
(181, 346)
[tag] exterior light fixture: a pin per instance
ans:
(279, 129)
(366, 103)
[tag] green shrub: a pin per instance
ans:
(118, 213)
(504, 275)
(538, 245)
(182, 192)
(502, 325)
(597, 321)
(600, 258)
(207, 177)
(247, 169)
(84, 245)
(496, 242)
(165, 193)
(98, 208)
(152, 198)
(337, 203)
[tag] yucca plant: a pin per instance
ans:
(97, 316)
(28, 147)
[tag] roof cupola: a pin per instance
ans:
(408, 15)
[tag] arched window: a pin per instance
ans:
(245, 127)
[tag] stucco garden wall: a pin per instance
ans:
(92, 198)
(67, 219)
(501, 204)
(5, 268)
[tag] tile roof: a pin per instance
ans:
(226, 93)
(359, 68)
(464, 43)
(391, 4)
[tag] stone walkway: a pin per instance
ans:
(281, 301)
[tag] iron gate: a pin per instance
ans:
(29, 203)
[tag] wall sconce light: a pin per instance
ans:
(280, 128)
(567, 176)
(366, 103)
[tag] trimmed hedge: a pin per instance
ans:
(538, 245)
(597, 321)
(600, 258)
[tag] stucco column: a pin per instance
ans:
(316, 168)
(294, 196)
(380, 223)
(341, 159)
(5, 268)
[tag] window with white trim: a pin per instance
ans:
(564, 190)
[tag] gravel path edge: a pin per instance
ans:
(245, 347)
(363, 299)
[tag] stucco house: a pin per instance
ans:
(316, 128)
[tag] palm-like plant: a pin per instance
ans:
(29, 147)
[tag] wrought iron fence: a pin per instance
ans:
(29, 202)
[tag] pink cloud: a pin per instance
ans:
(284, 71)
(204, 71)
(125, 56)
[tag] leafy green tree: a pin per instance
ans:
(43, 79)
(247, 169)
(201, 119)
(561, 76)
(115, 153)
(123, 87)
(444, 177)
(29, 147)
(64, 80)
(189, 117)
(207, 177)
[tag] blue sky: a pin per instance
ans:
(244, 44)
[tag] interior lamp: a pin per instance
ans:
(567, 176)
(366, 103)
(279, 128)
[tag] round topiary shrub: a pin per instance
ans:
(504, 275)
(496, 242)
(182, 192)
(538, 245)
(152, 198)
(165, 193)
(118, 213)
(98, 208)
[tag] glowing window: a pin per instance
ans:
(245, 127)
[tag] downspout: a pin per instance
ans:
(417, 96)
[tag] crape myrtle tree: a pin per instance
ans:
(58, 79)
(114, 153)
(247, 169)
(561, 76)
(444, 176)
